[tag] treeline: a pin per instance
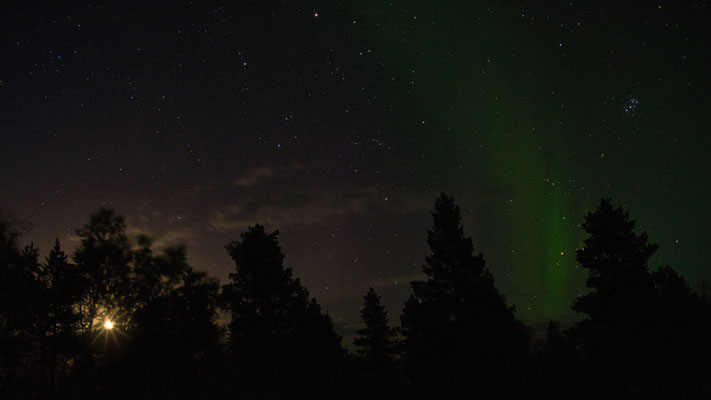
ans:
(117, 320)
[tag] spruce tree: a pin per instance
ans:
(20, 311)
(639, 337)
(620, 303)
(376, 342)
(63, 287)
(376, 347)
(279, 339)
(456, 324)
(617, 262)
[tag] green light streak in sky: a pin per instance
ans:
(488, 133)
(556, 248)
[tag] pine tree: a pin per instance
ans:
(20, 311)
(263, 297)
(456, 324)
(616, 259)
(278, 337)
(617, 338)
(376, 341)
(63, 287)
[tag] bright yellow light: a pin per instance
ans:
(108, 324)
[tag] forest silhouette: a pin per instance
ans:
(116, 319)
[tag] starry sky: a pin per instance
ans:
(339, 123)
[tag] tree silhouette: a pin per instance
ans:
(279, 338)
(620, 305)
(20, 306)
(376, 341)
(457, 326)
(175, 338)
(557, 372)
(62, 288)
(642, 335)
(682, 350)
(164, 315)
(104, 256)
(376, 346)
(616, 259)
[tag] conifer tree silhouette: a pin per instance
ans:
(642, 335)
(376, 341)
(377, 348)
(620, 305)
(20, 307)
(279, 339)
(62, 289)
(456, 324)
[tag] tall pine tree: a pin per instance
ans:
(639, 337)
(460, 336)
(376, 342)
(620, 303)
(20, 309)
(376, 346)
(63, 286)
(280, 340)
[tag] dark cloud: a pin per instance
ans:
(254, 176)
(263, 174)
(308, 208)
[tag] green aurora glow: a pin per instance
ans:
(502, 112)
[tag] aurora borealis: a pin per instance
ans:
(339, 124)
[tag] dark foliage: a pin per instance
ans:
(645, 334)
(275, 328)
(377, 349)
(20, 292)
(457, 326)
(376, 341)
(640, 338)
(164, 337)
(557, 369)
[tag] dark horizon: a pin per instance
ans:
(347, 329)
(115, 311)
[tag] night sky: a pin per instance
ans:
(339, 123)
